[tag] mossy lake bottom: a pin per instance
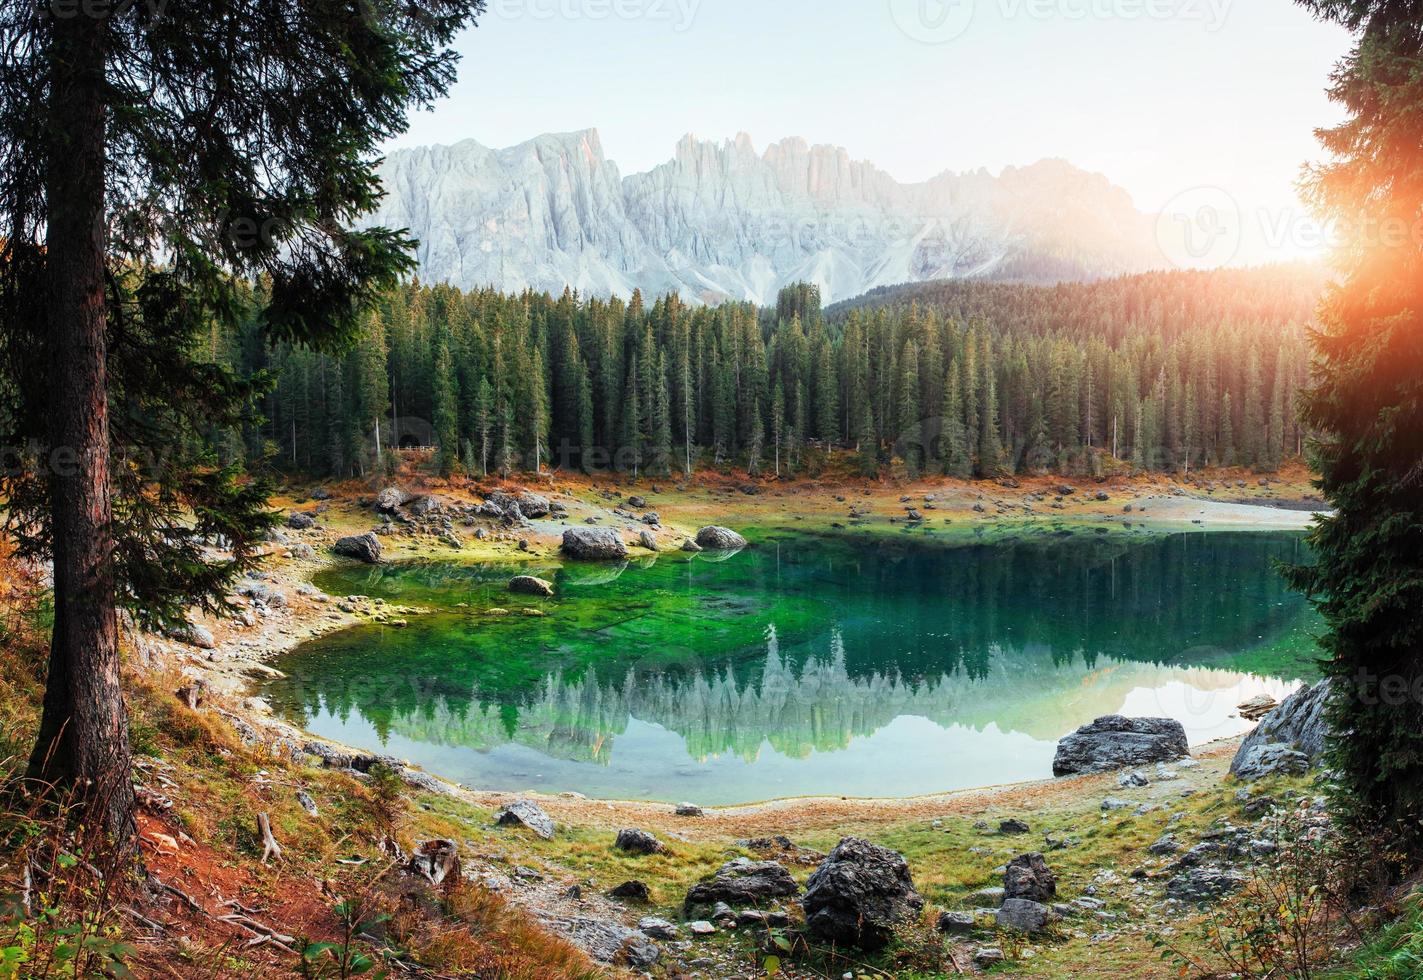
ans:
(804, 665)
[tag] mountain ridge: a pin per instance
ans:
(720, 221)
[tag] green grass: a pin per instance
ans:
(1395, 953)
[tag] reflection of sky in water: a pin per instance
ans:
(908, 756)
(897, 670)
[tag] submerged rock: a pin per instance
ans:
(531, 585)
(362, 547)
(860, 895)
(717, 538)
(593, 544)
(1115, 742)
(525, 813)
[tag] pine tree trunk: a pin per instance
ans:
(83, 737)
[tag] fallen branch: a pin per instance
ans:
(270, 847)
(237, 906)
(267, 933)
(187, 899)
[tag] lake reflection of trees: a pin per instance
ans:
(1025, 634)
(814, 707)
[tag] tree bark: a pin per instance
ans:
(83, 737)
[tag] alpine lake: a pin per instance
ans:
(805, 665)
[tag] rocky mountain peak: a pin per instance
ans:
(721, 221)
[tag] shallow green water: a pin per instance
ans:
(806, 665)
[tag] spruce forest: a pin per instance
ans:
(1165, 371)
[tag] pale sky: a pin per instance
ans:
(1165, 97)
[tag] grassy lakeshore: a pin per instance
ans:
(941, 836)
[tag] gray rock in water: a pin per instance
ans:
(526, 813)
(860, 894)
(638, 842)
(1028, 876)
(690, 546)
(193, 635)
(301, 521)
(744, 882)
(593, 544)
(1022, 915)
(1297, 727)
(1270, 759)
(391, 499)
(530, 585)
(362, 547)
(533, 504)
(1114, 742)
(717, 538)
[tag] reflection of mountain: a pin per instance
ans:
(818, 707)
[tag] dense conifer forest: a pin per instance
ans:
(1167, 371)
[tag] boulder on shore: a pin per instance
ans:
(531, 585)
(391, 499)
(638, 842)
(1022, 915)
(1028, 876)
(193, 635)
(362, 547)
(593, 544)
(525, 813)
(744, 882)
(860, 895)
(533, 504)
(1115, 742)
(300, 520)
(715, 538)
(1289, 739)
